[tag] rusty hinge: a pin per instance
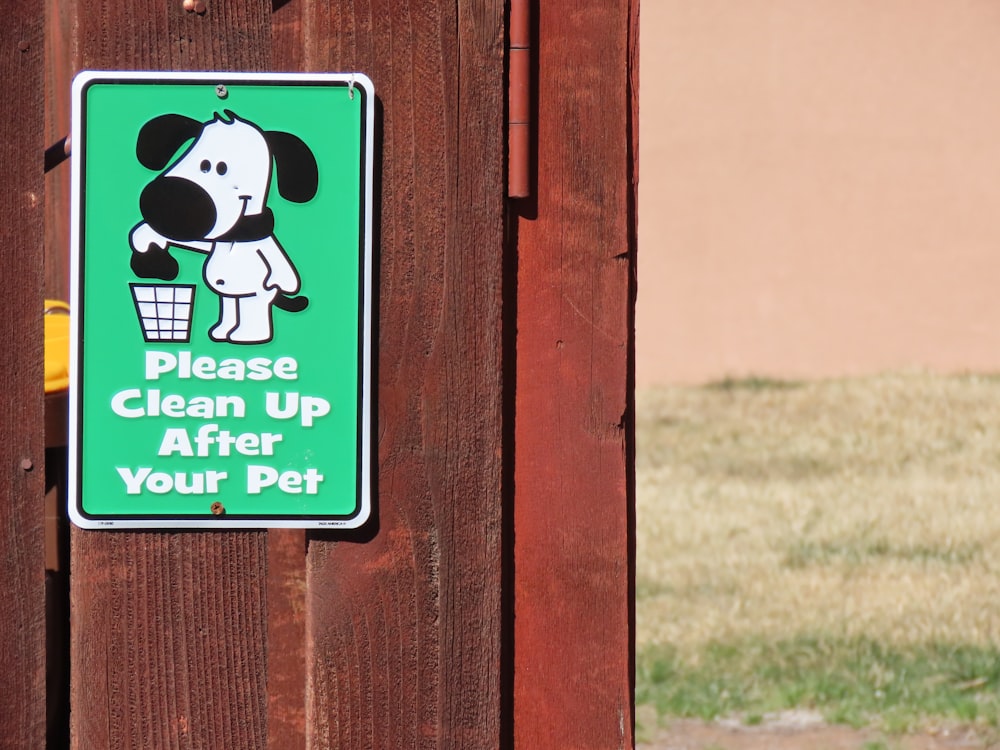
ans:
(519, 100)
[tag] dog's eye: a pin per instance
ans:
(221, 167)
(206, 165)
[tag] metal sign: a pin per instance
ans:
(222, 300)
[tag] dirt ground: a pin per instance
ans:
(803, 731)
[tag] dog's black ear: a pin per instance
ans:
(160, 138)
(298, 175)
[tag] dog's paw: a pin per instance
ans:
(144, 236)
(221, 331)
(241, 335)
(155, 263)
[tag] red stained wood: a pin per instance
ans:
(246, 639)
(169, 630)
(22, 463)
(168, 634)
(59, 67)
(574, 425)
(286, 639)
(405, 630)
(286, 548)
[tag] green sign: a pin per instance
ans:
(221, 300)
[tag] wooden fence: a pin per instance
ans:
(492, 606)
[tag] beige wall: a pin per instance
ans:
(819, 187)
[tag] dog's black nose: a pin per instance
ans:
(177, 208)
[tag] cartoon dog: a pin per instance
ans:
(213, 200)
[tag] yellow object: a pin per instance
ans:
(56, 346)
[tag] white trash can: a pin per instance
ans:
(164, 310)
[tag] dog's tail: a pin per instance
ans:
(291, 304)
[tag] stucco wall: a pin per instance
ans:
(819, 187)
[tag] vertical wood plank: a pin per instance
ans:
(286, 639)
(286, 548)
(60, 24)
(405, 630)
(574, 425)
(168, 633)
(59, 68)
(170, 629)
(22, 472)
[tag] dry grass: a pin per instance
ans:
(864, 508)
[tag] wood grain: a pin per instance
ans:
(59, 67)
(574, 431)
(404, 631)
(286, 639)
(286, 548)
(168, 634)
(22, 463)
(170, 629)
(396, 639)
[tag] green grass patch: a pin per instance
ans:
(863, 551)
(752, 383)
(852, 682)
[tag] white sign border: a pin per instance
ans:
(357, 80)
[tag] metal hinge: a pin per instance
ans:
(519, 100)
